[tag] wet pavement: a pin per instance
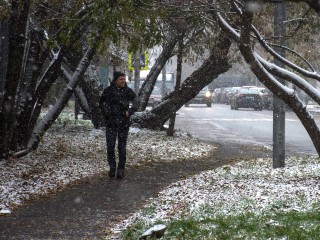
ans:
(88, 209)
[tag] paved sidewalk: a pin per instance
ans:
(87, 210)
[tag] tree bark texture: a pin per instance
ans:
(4, 45)
(31, 110)
(34, 61)
(172, 119)
(16, 33)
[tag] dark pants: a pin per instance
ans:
(111, 135)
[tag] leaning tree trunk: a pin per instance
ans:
(55, 111)
(148, 85)
(216, 64)
(79, 95)
(274, 86)
(43, 77)
(92, 89)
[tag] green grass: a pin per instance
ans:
(148, 210)
(291, 225)
(64, 119)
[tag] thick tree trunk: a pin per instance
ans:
(35, 55)
(172, 119)
(92, 89)
(34, 62)
(148, 85)
(4, 45)
(17, 33)
(33, 102)
(216, 64)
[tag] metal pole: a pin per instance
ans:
(163, 83)
(137, 71)
(278, 104)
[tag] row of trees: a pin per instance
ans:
(43, 42)
(255, 49)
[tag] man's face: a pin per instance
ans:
(120, 82)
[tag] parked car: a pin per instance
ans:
(224, 95)
(247, 97)
(267, 99)
(203, 97)
(231, 93)
(216, 95)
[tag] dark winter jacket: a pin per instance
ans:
(114, 103)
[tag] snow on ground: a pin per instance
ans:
(71, 153)
(229, 190)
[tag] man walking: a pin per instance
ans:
(114, 104)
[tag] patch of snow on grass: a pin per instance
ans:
(156, 146)
(229, 190)
(71, 153)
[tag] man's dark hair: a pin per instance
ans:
(118, 74)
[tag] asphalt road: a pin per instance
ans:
(221, 124)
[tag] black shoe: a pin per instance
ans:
(112, 172)
(120, 174)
